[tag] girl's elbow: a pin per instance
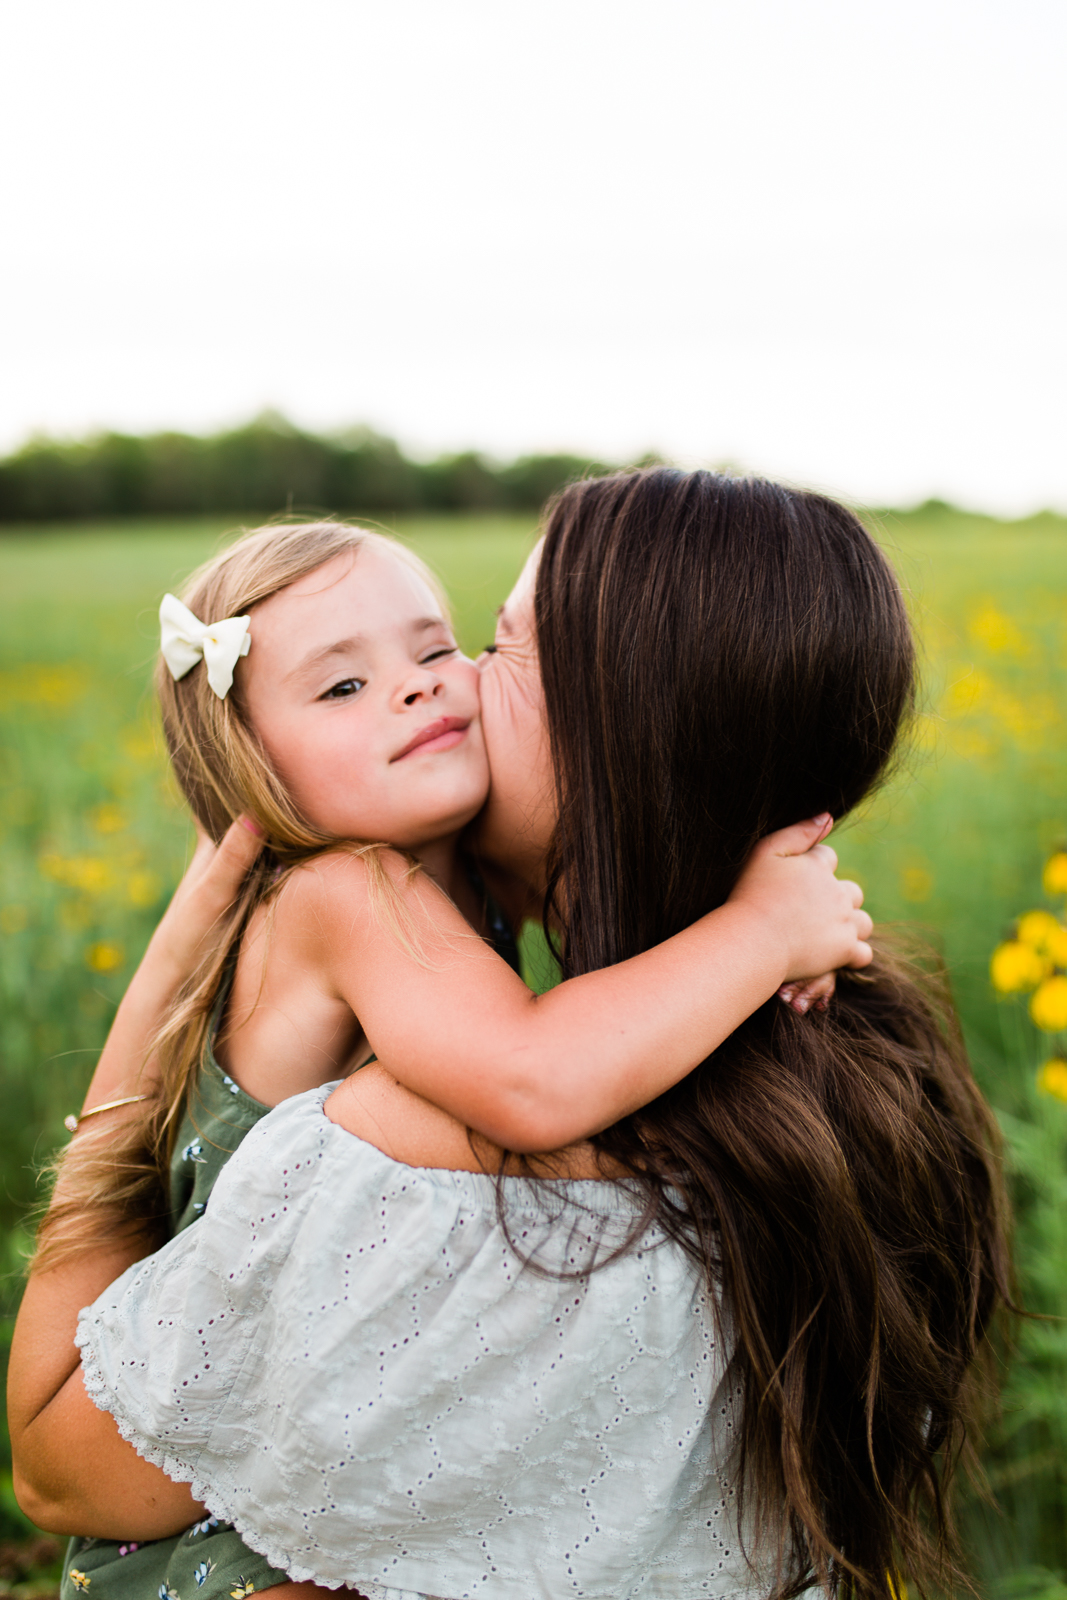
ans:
(528, 1113)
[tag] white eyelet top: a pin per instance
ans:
(347, 1358)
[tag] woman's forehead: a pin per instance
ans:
(518, 609)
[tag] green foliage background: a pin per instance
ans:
(265, 464)
(93, 839)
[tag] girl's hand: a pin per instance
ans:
(789, 879)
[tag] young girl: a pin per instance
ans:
(325, 697)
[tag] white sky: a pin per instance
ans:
(826, 239)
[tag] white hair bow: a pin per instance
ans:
(186, 640)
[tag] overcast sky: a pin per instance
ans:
(825, 239)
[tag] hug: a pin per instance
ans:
(367, 1267)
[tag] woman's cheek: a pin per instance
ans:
(517, 824)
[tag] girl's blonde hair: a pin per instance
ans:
(114, 1181)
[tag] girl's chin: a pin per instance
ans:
(423, 835)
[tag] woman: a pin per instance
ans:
(718, 658)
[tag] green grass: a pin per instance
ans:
(93, 839)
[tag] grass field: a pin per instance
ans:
(93, 839)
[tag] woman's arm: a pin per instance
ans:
(72, 1471)
(535, 1073)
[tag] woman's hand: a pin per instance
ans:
(211, 884)
(815, 995)
(793, 871)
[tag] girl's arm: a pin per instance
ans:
(535, 1073)
(98, 1484)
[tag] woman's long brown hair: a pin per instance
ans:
(722, 658)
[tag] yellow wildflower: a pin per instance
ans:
(916, 884)
(138, 745)
(1052, 1079)
(107, 818)
(90, 873)
(1036, 928)
(1057, 947)
(1054, 877)
(104, 956)
(79, 1579)
(1016, 967)
(1048, 1007)
(50, 686)
(997, 632)
(144, 889)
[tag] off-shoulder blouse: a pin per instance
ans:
(410, 1381)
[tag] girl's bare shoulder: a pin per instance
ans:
(341, 883)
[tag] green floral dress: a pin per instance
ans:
(210, 1560)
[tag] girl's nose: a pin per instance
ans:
(421, 684)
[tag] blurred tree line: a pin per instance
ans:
(267, 466)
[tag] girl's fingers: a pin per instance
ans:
(826, 855)
(798, 839)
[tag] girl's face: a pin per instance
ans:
(364, 703)
(515, 829)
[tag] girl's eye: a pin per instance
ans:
(446, 650)
(342, 690)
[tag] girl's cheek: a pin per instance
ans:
(465, 678)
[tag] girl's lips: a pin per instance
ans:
(443, 734)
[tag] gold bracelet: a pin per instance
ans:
(71, 1122)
